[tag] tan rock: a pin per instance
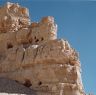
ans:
(13, 17)
(44, 66)
(32, 55)
(22, 36)
(47, 27)
(34, 24)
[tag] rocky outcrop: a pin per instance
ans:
(31, 54)
(13, 17)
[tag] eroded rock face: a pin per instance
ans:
(13, 17)
(31, 54)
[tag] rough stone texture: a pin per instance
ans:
(13, 17)
(31, 54)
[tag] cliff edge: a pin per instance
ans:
(32, 55)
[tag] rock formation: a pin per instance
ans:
(31, 54)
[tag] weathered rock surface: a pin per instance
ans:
(31, 54)
(13, 17)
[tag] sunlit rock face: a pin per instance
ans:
(31, 54)
(13, 17)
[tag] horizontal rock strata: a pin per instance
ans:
(31, 54)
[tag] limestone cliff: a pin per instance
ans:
(31, 54)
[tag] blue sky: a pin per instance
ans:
(77, 23)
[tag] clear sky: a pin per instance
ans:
(77, 23)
